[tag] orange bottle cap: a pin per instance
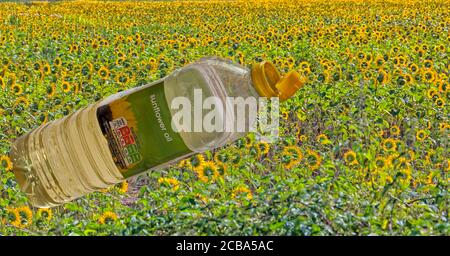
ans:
(269, 83)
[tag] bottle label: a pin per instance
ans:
(137, 126)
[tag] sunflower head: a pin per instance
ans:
(440, 103)
(196, 161)
(172, 183)
(103, 73)
(262, 148)
(291, 156)
(107, 217)
(350, 157)
(6, 163)
(313, 159)
(123, 187)
(389, 144)
(421, 135)
(242, 192)
(45, 214)
(13, 217)
(395, 130)
(26, 216)
(208, 172)
(221, 157)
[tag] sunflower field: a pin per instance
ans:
(363, 147)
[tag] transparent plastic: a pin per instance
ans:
(68, 158)
(216, 77)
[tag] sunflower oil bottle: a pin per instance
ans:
(131, 132)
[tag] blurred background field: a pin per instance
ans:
(363, 146)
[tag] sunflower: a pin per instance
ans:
(123, 188)
(120, 61)
(66, 87)
(183, 163)
(406, 175)
(236, 157)
(107, 218)
(313, 159)
(195, 162)
(379, 61)
(170, 182)
(26, 216)
(285, 114)
(208, 172)
(6, 163)
(14, 217)
(46, 69)
(103, 73)
(248, 141)
(73, 48)
(428, 64)
(242, 192)
(57, 62)
(350, 157)
(430, 179)
(51, 90)
(304, 65)
(413, 68)
(439, 48)
(382, 77)
(440, 103)
(360, 55)
(421, 135)
(322, 138)
(43, 118)
(221, 157)
(428, 76)
(410, 155)
(291, 156)
(302, 138)
(37, 66)
(443, 126)
(153, 63)
(262, 148)
(409, 79)
(122, 78)
(395, 130)
(95, 45)
(389, 144)
(45, 213)
(86, 69)
(21, 101)
(16, 89)
(431, 93)
(401, 163)
(391, 159)
(444, 87)
(381, 162)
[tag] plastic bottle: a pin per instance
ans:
(130, 132)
